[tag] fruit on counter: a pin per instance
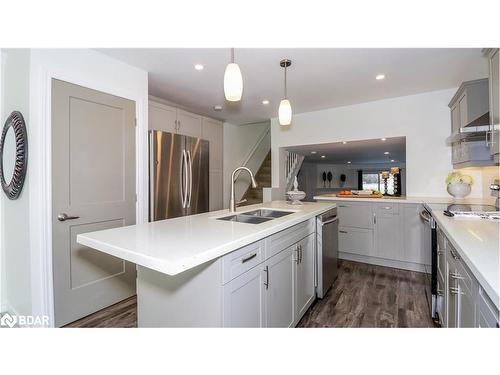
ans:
(376, 192)
(344, 192)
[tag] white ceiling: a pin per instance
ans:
(317, 79)
(369, 151)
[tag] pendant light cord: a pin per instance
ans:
(285, 80)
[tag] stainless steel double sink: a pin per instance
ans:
(256, 216)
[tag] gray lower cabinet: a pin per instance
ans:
(277, 287)
(305, 291)
(243, 300)
(387, 233)
(465, 305)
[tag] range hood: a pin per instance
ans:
(471, 133)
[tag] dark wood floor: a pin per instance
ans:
(363, 295)
(120, 315)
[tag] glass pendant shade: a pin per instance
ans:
(285, 112)
(233, 83)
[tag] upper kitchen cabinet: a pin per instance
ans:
(470, 105)
(173, 120)
(162, 117)
(470, 121)
(493, 55)
(213, 130)
(188, 124)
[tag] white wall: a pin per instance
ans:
(239, 142)
(424, 120)
(14, 220)
(91, 69)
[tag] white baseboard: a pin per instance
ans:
(409, 266)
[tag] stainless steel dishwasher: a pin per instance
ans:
(327, 249)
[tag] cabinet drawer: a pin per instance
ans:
(488, 314)
(356, 241)
(241, 260)
(281, 240)
(386, 209)
(356, 215)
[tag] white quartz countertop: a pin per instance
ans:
(176, 245)
(405, 199)
(477, 242)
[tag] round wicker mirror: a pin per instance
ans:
(13, 155)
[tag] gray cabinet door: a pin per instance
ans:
(280, 291)
(494, 81)
(304, 276)
(162, 117)
(188, 123)
(413, 235)
(467, 307)
(243, 300)
(387, 231)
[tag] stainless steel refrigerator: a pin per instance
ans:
(178, 174)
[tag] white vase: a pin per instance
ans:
(458, 190)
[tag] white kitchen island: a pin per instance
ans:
(197, 271)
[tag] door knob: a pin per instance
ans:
(64, 217)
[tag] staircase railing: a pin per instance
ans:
(292, 167)
(253, 150)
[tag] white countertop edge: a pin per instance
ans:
(409, 200)
(170, 268)
(488, 288)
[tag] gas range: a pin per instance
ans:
(473, 211)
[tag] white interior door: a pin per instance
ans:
(93, 180)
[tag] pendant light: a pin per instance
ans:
(285, 109)
(233, 81)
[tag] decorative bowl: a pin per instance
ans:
(295, 196)
(458, 190)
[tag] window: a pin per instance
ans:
(372, 180)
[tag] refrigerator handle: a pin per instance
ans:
(190, 165)
(183, 181)
(152, 165)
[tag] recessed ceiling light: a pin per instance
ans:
(313, 152)
(379, 77)
(392, 160)
(382, 139)
(323, 156)
(217, 108)
(265, 102)
(386, 153)
(199, 67)
(344, 142)
(348, 162)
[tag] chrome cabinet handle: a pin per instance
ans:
(250, 257)
(341, 205)
(266, 270)
(300, 253)
(374, 219)
(440, 292)
(455, 291)
(296, 251)
(342, 231)
(64, 217)
(440, 252)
